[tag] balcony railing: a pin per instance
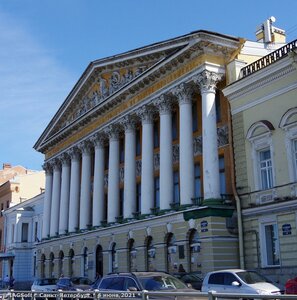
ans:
(268, 59)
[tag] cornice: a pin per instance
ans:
(260, 79)
(160, 70)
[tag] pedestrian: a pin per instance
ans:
(11, 282)
(6, 281)
(181, 269)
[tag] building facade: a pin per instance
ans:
(18, 184)
(138, 162)
(264, 115)
(23, 223)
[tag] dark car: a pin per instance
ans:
(291, 286)
(140, 281)
(192, 279)
(74, 284)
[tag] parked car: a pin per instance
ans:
(44, 285)
(192, 279)
(291, 286)
(139, 281)
(73, 284)
(238, 281)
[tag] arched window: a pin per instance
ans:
(99, 260)
(171, 253)
(85, 262)
(259, 136)
(150, 254)
(71, 262)
(42, 266)
(289, 124)
(132, 253)
(60, 264)
(51, 265)
(113, 261)
(194, 247)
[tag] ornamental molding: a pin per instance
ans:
(258, 80)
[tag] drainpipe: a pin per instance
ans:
(237, 199)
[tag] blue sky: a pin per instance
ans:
(45, 45)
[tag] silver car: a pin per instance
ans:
(44, 285)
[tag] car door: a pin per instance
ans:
(229, 278)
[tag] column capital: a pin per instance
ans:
(64, 158)
(146, 113)
(74, 153)
(98, 140)
(163, 103)
(112, 131)
(128, 122)
(207, 80)
(183, 93)
(56, 163)
(47, 167)
(85, 147)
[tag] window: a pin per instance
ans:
(265, 167)
(121, 202)
(174, 126)
(106, 157)
(222, 175)
(157, 191)
(36, 232)
(269, 242)
(25, 232)
(156, 135)
(289, 125)
(218, 106)
(138, 142)
(194, 117)
(175, 187)
(138, 197)
(197, 174)
(122, 151)
(260, 137)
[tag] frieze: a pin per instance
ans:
(105, 86)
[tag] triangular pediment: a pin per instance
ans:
(109, 81)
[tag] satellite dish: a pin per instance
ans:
(272, 19)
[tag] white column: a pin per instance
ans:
(113, 206)
(55, 208)
(211, 176)
(74, 190)
(147, 166)
(65, 192)
(98, 184)
(166, 175)
(130, 167)
(47, 200)
(85, 216)
(186, 151)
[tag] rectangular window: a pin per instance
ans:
(156, 135)
(122, 151)
(175, 187)
(121, 202)
(265, 169)
(25, 232)
(218, 106)
(157, 191)
(197, 173)
(222, 175)
(174, 126)
(36, 232)
(138, 142)
(194, 117)
(271, 244)
(138, 197)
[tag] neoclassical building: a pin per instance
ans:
(264, 113)
(138, 162)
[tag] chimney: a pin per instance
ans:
(6, 166)
(266, 33)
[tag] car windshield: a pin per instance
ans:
(46, 281)
(251, 277)
(156, 283)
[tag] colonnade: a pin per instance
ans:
(74, 202)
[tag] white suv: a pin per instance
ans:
(237, 281)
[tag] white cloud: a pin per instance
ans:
(32, 87)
